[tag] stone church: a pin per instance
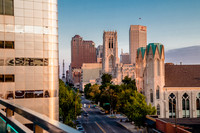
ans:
(110, 61)
(173, 89)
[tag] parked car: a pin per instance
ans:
(79, 126)
(81, 129)
(78, 122)
(86, 114)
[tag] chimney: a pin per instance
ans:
(180, 63)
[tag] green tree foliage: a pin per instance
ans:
(136, 109)
(87, 90)
(106, 79)
(123, 98)
(69, 101)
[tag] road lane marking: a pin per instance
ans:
(100, 127)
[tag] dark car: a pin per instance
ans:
(81, 129)
(78, 122)
(86, 114)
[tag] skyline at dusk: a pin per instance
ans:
(173, 23)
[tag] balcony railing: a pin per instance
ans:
(40, 122)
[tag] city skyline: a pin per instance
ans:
(173, 23)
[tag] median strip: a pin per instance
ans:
(100, 127)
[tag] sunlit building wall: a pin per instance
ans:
(29, 54)
(137, 39)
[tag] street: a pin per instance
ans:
(99, 123)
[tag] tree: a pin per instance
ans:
(94, 93)
(128, 83)
(87, 90)
(106, 79)
(68, 102)
(137, 109)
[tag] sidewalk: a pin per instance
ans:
(130, 127)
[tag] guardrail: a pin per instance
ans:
(40, 122)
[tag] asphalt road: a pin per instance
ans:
(99, 123)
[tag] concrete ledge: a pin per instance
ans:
(130, 127)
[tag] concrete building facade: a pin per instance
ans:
(137, 39)
(29, 54)
(99, 53)
(89, 73)
(124, 58)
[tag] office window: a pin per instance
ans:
(46, 94)
(7, 7)
(19, 94)
(1, 62)
(9, 95)
(1, 44)
(46, 62)
(9, 78)
(29, 94)
(9, 44)
(1, 6)
(39, 94)
(1, 78)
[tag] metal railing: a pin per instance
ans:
(40, 122)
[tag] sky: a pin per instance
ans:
(174, 23)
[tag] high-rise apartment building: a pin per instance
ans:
(137, 39)
(29, 54)
(82, 52)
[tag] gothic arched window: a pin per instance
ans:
(158, 67)
(111, 63)
(172, 105)
(158, 109)
(109, 43)
(185, 106)
(198, 104)
(151, 95)
(158, 92)
(112, 43)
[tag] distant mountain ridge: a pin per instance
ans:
(186, 55)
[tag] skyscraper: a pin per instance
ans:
(137, 39)
(29, 54)
(82, 52)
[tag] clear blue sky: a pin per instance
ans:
(175, 23)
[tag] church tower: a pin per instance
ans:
(110, 51)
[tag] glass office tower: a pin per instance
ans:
(29, 54)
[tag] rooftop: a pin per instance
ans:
(182, 75)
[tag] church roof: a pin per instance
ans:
(182, 75)
(153, 46)
(142, 49)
